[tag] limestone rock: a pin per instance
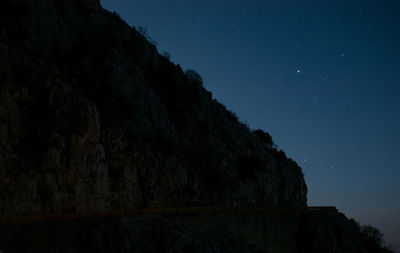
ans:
(92, 118)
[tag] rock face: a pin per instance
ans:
(92, 118)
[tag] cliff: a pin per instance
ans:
(94, 119)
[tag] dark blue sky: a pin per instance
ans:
(322, 77)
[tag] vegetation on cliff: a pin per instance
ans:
(93, 118)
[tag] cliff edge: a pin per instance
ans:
(92, 118)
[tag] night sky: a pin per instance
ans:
(322, 77)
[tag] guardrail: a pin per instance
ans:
(172, 211)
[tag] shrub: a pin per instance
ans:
(278, 154)
(194, 76)
(264, 137)
(116, 15)
(166, 55)
(144, 32)
(373, 239)
(372, 234)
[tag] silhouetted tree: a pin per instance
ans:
(116, 15)
(142, 30)
(373, 239)
(265, 138)
(194, 76)
(166, 55)
(371, 233)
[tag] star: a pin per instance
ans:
(298, 71)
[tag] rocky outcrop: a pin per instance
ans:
(92, 118)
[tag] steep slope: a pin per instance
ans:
(92, 118)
